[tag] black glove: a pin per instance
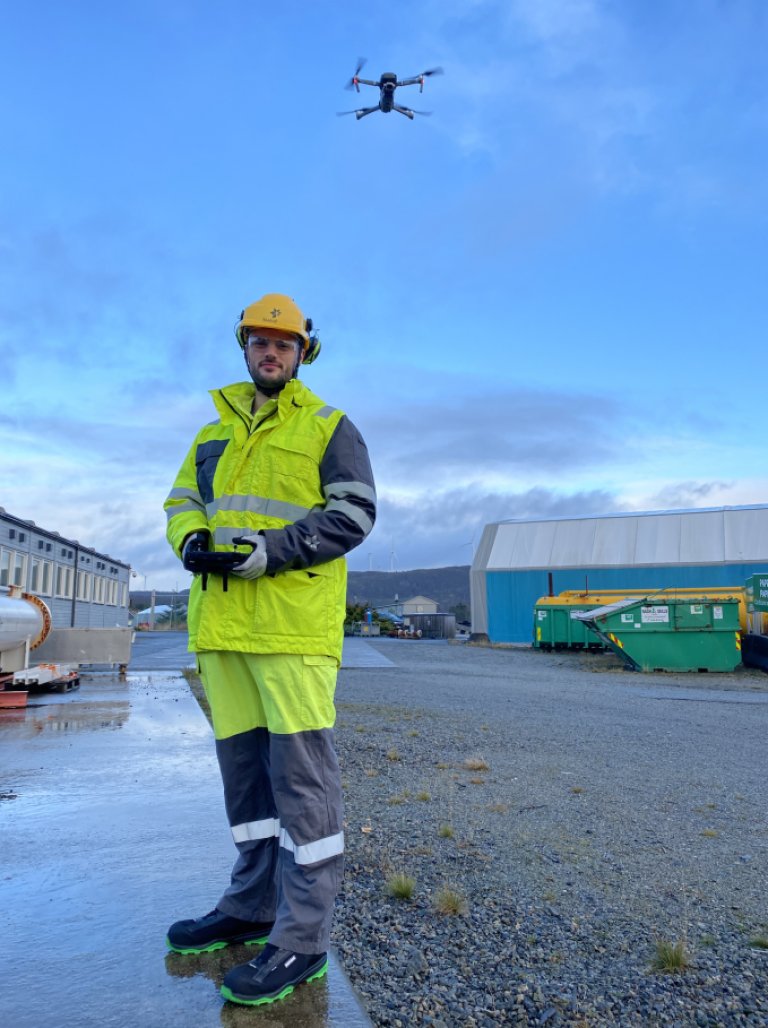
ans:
(194, 545)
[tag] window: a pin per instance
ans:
(34, 576)
(45, 577)
(63, 581)
(5, 567)
(83, 585)
(19, 569)
(98, 589)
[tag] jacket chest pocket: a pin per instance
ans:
(292, 468)
(206, 461)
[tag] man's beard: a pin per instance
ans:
(270, 386)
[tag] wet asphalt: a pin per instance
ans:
(112, 827)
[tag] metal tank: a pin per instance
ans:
(24, 619)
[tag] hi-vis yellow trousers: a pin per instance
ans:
(273, 717)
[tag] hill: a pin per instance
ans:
(449, 586)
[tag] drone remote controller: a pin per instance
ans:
(208, 562)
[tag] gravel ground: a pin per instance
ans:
(581, 817)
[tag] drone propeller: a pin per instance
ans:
(352, 84)
(359, 113)
(409, 111)
(432, 71)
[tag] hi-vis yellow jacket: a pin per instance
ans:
(298, 471)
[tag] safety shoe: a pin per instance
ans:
(215, 931)
(272, 975)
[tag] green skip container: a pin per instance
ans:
(556, 626)
(691, 634)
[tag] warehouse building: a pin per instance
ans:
(81, 587)
(519, 561)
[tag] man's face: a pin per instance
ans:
(271, 356)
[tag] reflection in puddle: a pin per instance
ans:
(306, 1007)
(67, 718)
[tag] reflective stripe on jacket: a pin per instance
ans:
(298, 471)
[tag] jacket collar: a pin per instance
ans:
(238, 397)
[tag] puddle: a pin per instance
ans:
(113, 827)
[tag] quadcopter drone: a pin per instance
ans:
(387, 85)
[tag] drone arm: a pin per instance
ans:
(418, 80)
(403, 110)
(366, 82)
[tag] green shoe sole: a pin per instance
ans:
(229, 995)
(260, 941)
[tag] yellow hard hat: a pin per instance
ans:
(274, 311)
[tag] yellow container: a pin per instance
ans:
(605, 596)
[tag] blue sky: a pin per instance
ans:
(548, 298)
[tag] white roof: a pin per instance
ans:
(160, 609)
(730, 535)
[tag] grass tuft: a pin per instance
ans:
(475, 764)
(399, 798)
(671, 957)
(393, 755)
(424, 796)
(401, 886)
(445, 831)
(450, 902)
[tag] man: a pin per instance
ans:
(284, 474)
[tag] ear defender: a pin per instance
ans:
(238, 329)
(313, 349)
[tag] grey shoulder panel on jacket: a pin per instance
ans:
(347, 516)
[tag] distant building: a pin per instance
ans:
(432, 625)
(152, 615)
(81, 587)
(517, 561)
(418, 605)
